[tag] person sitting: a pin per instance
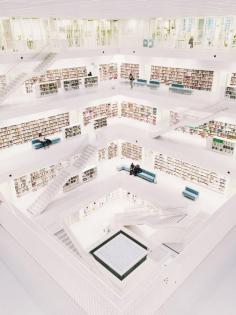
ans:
(137, 169)
(47, 142)
(131, 80)
(131, 169)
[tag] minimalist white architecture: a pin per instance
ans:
(117, 151)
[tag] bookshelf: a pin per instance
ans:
(72, 131)
(223, 146)
(230, 92)
(108, 71)
(109, 152)
(233, 79)
(25, 132)
(72, 183)
(47, 88)
(212, 128)
(131, 151)
(175, 117)
(36, 180)
(90, 81)
(142, 113)
(107, 110)
(89, 174)
(71, 84)
(57, 75)
(127, 68)
(190, 78)
(190, 172)
(100, 123)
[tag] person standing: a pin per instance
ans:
(131, 170)
(131, 80)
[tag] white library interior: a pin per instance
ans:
(117, 156)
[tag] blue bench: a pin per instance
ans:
(140, 82)
(153, 84)
(149, 176)
(179, 88)
(38, 145)
(190, 193)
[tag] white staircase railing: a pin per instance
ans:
(17, 75)
(42, 202)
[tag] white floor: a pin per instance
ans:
(210, 290)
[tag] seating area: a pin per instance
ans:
(190, 193)
(38, 144)
(147, 175)
(179, 88)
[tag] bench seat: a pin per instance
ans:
(149, 176)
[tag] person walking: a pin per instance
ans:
(131, 80)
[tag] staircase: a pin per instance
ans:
(42, 202)
(19, 79)
(64, 238)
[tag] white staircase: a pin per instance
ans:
(20, 78)
(42, 202)
(64, 238)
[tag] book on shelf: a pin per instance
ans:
(108, 110)
(90, 81)
(108, 71)
(72, 131)
(190, 172)
(142, 113)
(27, 131)
(127, 68)
(100, 123)
(190, 78)
(109, 152)
(131, 151)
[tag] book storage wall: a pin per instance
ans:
(127, 68)
(25, 132)
(175, 118)
(131, 151)
(36, 180)
(107, 110)
(190, 172)
(230, 91)
(100, 123)
(190, 78)
(57, 75)
(211, 129)
(71, 84)
(90, 81)
(109, 152)
(72, 183)
(47, 88)
(72, 131)
(142, 113)
(222, 146)
(108, 71)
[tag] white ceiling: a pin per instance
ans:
(116, 8)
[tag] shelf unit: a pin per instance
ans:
(222, 146)
(72, 183)
(72, 131)
(108, 71)
(190, 78)
(131, 151)
(175, 118)
(100, 123)
(36, 180)
(190, 172)
(57, 75)
(90, 81)
(230, 92)
(107, 110)
(89, 174)
(212, 128)
(47, 88)
(142, 113)
(127, 68)
(71, 84)
(109, 152)
(233, 79)
(25, 132)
